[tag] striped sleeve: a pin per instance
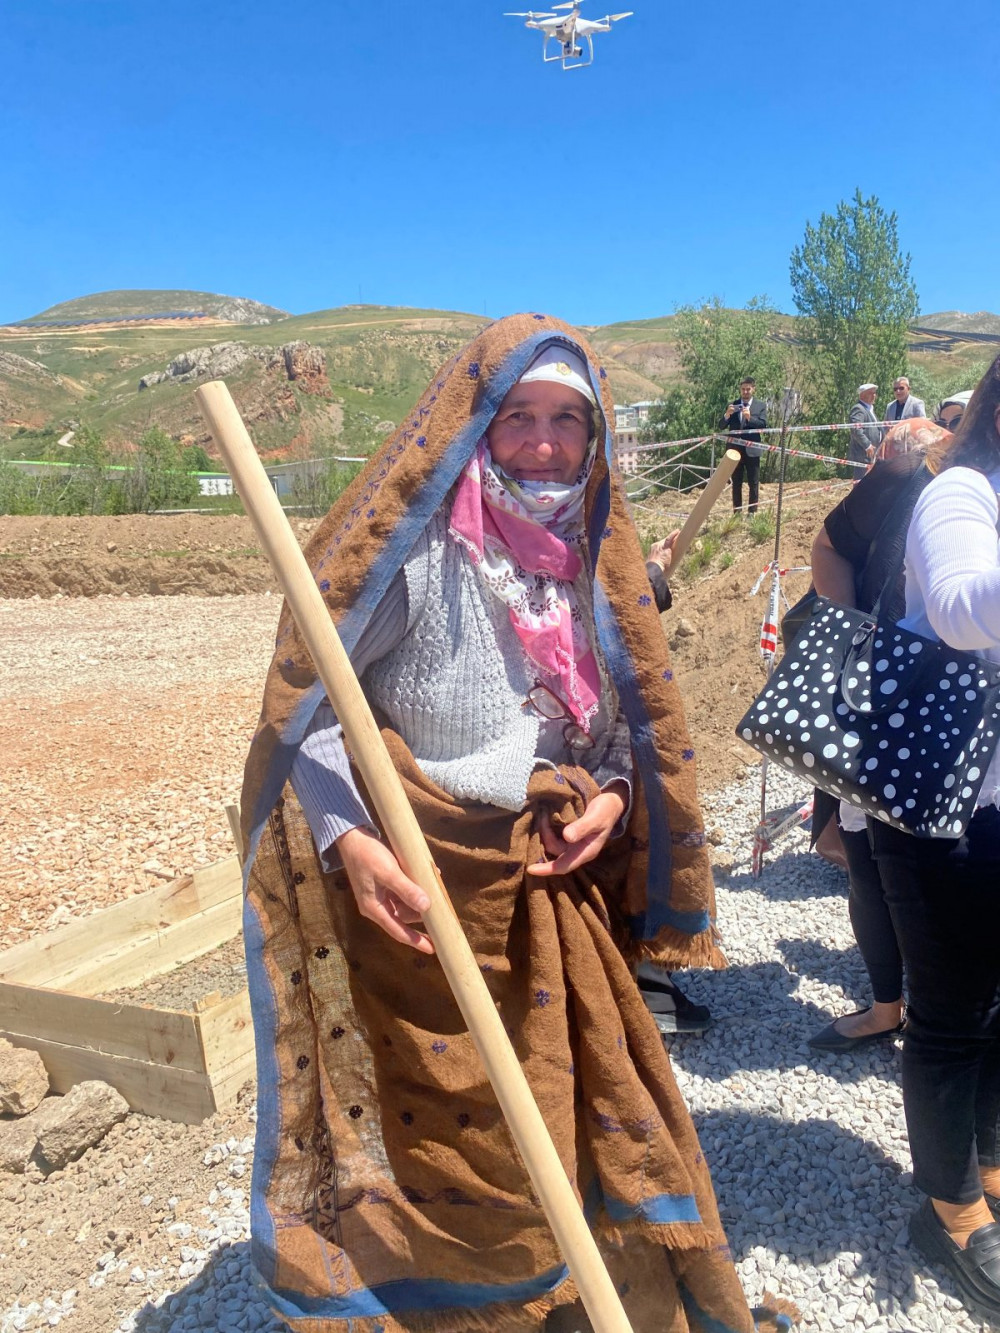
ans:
(321, 773)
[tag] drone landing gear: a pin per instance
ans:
(570, 54)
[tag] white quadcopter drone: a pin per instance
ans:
(569, 31)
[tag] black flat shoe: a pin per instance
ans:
(832, 1040)
(975, 1270)
(672, 1011)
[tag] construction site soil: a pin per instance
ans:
(125, 719)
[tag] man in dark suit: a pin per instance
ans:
(746, 414)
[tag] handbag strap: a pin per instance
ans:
(896, 526)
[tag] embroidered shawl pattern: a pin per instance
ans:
(387, 1193)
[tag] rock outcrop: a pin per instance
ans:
(241, 310)
(20, 367)
(307, 365)
(300, 361)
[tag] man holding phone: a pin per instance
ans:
(747, 415)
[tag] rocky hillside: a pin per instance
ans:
(958, 321)
(129, 304)
(356, 373)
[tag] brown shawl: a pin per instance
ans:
(387, 1192)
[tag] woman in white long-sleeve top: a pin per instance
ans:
(944, 895)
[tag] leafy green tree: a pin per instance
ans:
(86, 490)
(195, 459)
(157, 479)
(716, 348)
(315, 490)
(852, 286)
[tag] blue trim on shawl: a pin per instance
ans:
(657, 1208)
(709, 1323)
(265, 1012)
(415, 1294)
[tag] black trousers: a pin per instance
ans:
(944, 897)
(871, 919)
(749, 466)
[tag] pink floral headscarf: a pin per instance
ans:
(526, 539)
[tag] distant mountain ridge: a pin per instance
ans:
(132, 304)
(350, 374)
(958, 321)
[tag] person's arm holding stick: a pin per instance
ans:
(562, 1209)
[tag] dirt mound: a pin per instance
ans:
(135, 554)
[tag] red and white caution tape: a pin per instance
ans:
(769, 830)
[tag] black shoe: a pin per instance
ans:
(832, 1040)
(671, 1009)
(993, 1203)
(975, 1270)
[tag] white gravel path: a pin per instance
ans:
(808, 1152)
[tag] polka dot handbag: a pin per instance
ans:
(902, 727)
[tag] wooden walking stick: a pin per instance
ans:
(334, 669)
(713, 489)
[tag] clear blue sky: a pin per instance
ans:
(419, 153)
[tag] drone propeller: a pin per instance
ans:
(572, 4)
(627, 15)
(529, 15)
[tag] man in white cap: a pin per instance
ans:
(865, 433)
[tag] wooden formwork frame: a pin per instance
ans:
(178, 1065)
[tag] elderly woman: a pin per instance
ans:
(488, 584)
(944, 894)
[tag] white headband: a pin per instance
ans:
(558, 365)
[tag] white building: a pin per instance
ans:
(629, 418)
(632, 414)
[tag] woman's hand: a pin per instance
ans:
(582, 840)
(662, 552)
(383, 893)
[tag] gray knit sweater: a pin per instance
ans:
(452, 680)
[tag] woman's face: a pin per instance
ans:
(541, 432)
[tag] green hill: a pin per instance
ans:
(122, 305)
(326, 382)
(957, 321)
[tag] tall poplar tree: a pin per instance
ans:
(852, 286)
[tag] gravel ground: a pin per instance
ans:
(222, 970)
(124, 729)
(108, 703)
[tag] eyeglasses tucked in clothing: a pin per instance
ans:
(551, 707)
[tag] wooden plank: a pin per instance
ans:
(227, 1082)
(160, 1090)
(151, 955)
(49, 959)
(225, 1029)
(233, 815)
(137, 1032)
